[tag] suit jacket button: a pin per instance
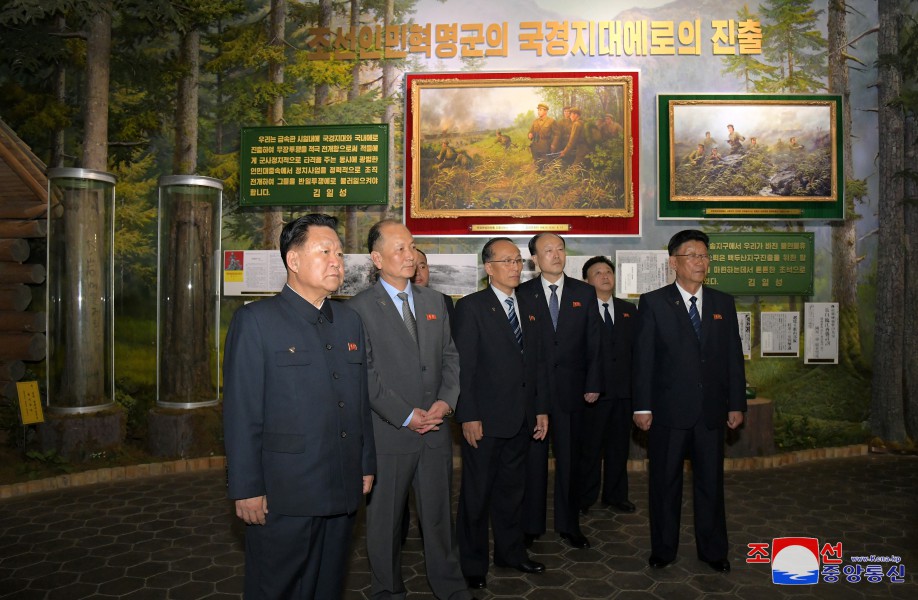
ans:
(344, 434)
(328, 346)
(341, 404)
(335, 375)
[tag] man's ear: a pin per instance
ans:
(376, 257)
(293, 260)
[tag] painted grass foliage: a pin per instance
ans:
(492, 177)
(761, 172)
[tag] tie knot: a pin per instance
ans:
(403, 296)
(693, 299)
(553, 287)
(509, 302)
(605, 305)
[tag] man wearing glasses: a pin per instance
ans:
(500, 409)
(688, 382)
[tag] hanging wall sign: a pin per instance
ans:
(318, 165)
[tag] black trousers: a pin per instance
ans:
(297, 557)
(565, 431)
(604, 447)
(492, 489)
(667, 449)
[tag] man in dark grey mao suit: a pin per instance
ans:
(414, 385)
(688, 383)
(299, 443)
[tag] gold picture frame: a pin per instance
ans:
(476, 151)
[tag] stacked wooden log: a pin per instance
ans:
(23, 206)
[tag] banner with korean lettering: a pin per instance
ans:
(556, 38)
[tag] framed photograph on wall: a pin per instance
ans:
(750, 157)
(496, 152)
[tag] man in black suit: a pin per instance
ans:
(500, 409)
(569, 331)
(296, 417)
(413, 370)
(689, 381)
(607, 422)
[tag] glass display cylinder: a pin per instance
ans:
(188, 291)
(80, 291)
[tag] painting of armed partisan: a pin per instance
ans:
(521, 147)
(750, 156)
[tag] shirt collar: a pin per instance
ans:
(602, 308)
(502, 296)
(547, 290)
(686, 297)
(393, 293)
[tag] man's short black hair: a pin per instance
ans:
(595, 261)
(536, 237)
(376, 232)
(422, 252)
(295, 232)
(487, 253)
(687, 235)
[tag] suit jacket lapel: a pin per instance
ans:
(565, 302)
(675, 301)
(707, 317)
(501, 322)
(392, 315)
(423, 306)
(540, 303)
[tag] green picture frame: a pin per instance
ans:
(750, 157)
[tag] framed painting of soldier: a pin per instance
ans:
(750, 157)
(521, 153)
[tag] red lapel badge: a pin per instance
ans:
(532, 317)
(718, 317)
(575, 304)
(626, 315)
(351, 346)
(431, 317)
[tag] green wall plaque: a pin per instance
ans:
(762, 264)
(314, 165)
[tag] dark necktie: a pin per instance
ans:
(410, 323)
(607, 318)
(514, 322)
(694, 317)
(553, 307)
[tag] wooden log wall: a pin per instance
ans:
(23, 208)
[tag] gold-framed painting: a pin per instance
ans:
(521, 153)
(750, 156)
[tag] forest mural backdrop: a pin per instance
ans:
(149, 88)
